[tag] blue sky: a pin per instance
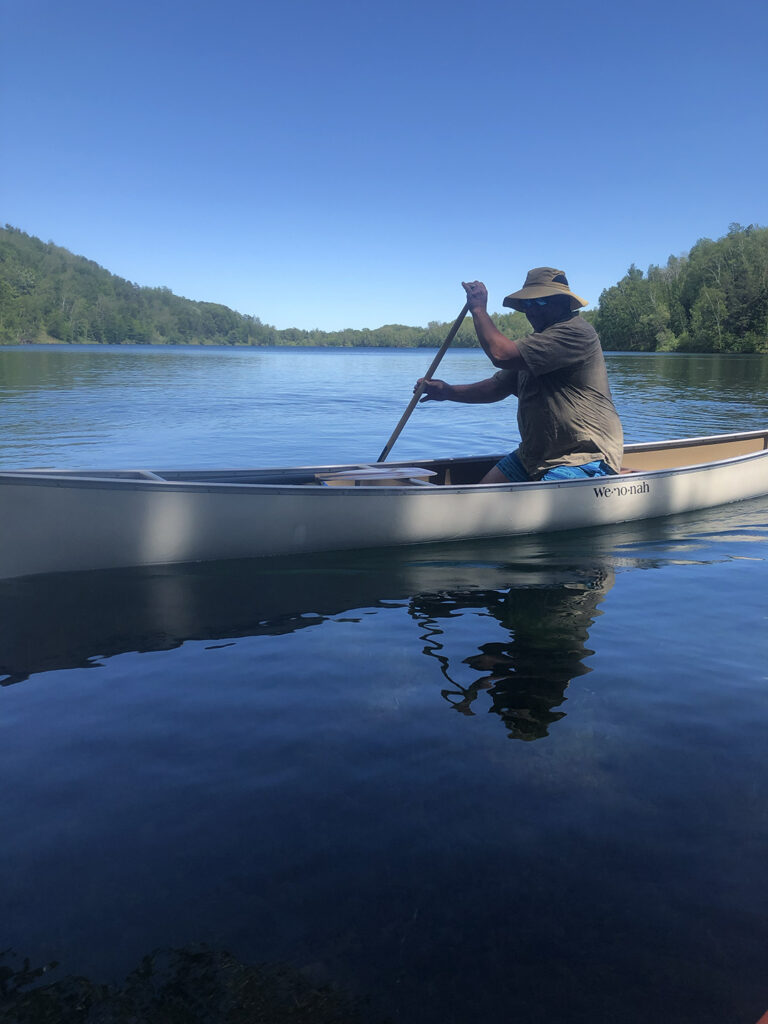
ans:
(348, 164)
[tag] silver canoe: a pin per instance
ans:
(62, 520)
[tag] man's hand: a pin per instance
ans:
(477, 295)
(434, 390)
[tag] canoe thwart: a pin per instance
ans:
(376, 476)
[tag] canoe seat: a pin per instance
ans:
(377, 476)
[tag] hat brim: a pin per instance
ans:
(541, 291)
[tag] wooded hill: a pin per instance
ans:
(47, 294)
(713, 299)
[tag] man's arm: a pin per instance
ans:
(491, 390)
(500, 349)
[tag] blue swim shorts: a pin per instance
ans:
(513, 470)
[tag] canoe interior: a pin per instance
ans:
(638, 458)
(694, 452)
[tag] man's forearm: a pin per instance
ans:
(500, 349)
(480, 392)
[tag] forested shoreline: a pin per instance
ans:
(712, 299)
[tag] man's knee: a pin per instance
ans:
(511, 470)
(495, 476)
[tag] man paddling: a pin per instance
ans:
(568, 424)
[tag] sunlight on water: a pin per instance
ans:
(223, 407)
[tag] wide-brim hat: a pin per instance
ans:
(540, 283)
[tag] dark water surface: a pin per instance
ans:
(510, 781)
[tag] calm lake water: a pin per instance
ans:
(514, 781)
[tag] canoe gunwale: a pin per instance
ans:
(144, 480)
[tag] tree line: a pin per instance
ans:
(47, 294)
(713, 299)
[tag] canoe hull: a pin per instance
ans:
(69, 522)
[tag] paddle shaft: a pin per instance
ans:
(420, 389)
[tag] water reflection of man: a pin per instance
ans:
(526, 675)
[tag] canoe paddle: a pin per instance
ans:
(420, 389)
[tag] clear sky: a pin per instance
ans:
(347, 164)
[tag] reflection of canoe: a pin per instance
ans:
(63, 520)
(538, 608)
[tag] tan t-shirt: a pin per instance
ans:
(565, 412)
